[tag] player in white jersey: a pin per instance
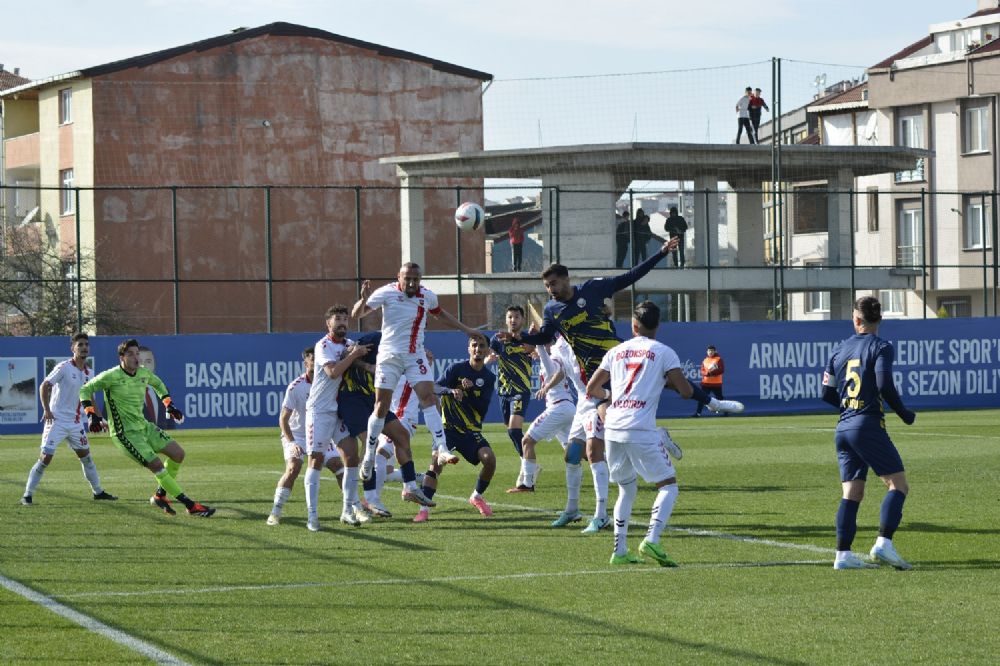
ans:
(405, 306)
(639, 369)
(334, 353)
(292, 423)
(406, 407)
(553, 423)
(60, 398)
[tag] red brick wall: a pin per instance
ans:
(332, 110)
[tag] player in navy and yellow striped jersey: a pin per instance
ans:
(466, 390)
(577, 312)
(514, 362)
(857, 380)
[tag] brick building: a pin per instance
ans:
(236, 182)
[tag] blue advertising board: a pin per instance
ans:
(231, 381)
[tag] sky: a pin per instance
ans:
(566, 71)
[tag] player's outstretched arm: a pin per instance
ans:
(361, 308)
(454, 322)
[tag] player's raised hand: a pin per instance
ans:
(670, 245)
(366, 289)
(357, 351)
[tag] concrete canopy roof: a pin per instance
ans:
(662, 161)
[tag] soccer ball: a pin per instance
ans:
(469, 216)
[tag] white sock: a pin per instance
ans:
(34, 477)
(881, 541)
(663, 506)
(281, 494)
(432, 417)
(380, 466)
(371, 496)
(311, 483)
(350, 487)
(528, 468)
(623, 513)
(375, 425)
(574, 479)
(396, 476)
(599, 471)
(90, 472)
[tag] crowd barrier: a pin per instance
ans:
(234, 381)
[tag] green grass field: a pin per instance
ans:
(752, 531)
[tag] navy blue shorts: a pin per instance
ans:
(354, 410)
(514, 405)
(466, 443)
(861, 448)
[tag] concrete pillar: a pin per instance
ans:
(585, 213)
(839, 233)
(705, 227)
(411, 220)
(746, 227)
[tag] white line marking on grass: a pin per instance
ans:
(90, 624)
(447, 579)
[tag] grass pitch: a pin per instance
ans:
(752, 530)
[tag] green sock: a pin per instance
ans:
(167, 482)
(172, 468)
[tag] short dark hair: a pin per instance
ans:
(410, 264)
(335, 310)
(870, 309)
(647, 314)
(712, 347)
(79, 336)
(125, 344)
(515, 308)
(308, 351)
(480, 338)
(555, 270)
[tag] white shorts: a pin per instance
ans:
(649, 459)
(55, 432)
(390, 366)
(587, 422)
(292, 450)
(553, 423)
(323, 429)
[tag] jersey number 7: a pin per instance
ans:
(633, 369)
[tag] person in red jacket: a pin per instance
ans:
(711, 375)
(756, 104)
(516, 235)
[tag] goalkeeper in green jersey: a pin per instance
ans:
(124, 395)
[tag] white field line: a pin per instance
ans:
(90, 624)
(445, 579)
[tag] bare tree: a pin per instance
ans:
(40, 294)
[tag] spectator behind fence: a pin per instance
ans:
(743, 113)
(516, 235)
(622, 236)
(756, 104)
(676, 226)
(642, 235)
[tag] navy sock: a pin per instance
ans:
(428, 491)
(516, 435)
(481, 485)
(408, 472)
(891, 514)
(370, 483)
(847, 523)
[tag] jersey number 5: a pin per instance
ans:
(853, 378)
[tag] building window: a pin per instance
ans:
(817, 301)
(810, 210)
(909, 240)
(65, 106)
(955, 306)
(873, 209)
(911, 135)
(67, 199)
(975, 130)
(975, 225)
(893, 301)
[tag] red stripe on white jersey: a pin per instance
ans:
(404, 399)
(415, 330)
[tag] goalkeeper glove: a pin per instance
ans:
(175, 414)
(96, 422)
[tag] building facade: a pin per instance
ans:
(234, 184)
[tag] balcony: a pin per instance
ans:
(909, 256)
(22, 151)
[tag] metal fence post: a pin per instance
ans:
(79, 268)
(177, 282)
(269, 295)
